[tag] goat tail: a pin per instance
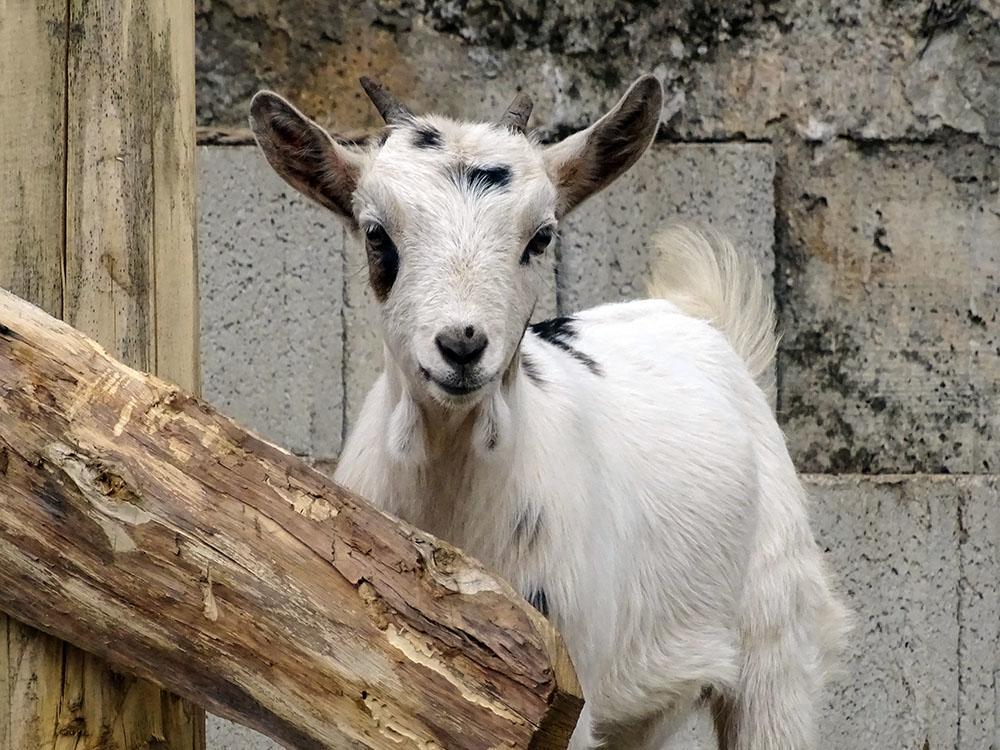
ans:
(703, 274)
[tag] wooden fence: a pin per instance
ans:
(97, 226)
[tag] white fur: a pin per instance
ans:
(673, 542)
(653, 500)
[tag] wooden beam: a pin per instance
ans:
(143, 526)
(97, 223)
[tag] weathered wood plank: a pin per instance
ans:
(130, 72)
(175, 215)
(131, 277)
(30, 686)
(109, 178)
(143, 526)
(33, 38)
(32, 87)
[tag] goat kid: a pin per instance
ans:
(622, 467)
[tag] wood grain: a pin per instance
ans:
(32, 88)
(80, 165)
(131, 277)
(175, 267)
(143, 526)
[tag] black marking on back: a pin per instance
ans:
(560, 332)
(532, 369)
(537, 599)
(426, 136)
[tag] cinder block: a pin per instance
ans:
(222, 734)
(889, 288)
(893, 545)
(272, 284)
(917, 558)
(606, 243)
(979, 615)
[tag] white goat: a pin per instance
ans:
(621, 467)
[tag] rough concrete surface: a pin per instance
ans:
(898, 546)
(271, 277)
(864, 68)
(221, 734)
(889, 290)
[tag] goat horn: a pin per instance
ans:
(391, 109)
(516, 117)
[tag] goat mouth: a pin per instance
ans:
(457, 390)
(452, 387)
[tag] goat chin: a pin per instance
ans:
(635, 480)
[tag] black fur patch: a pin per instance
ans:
(485, 178)
(559, 332)
(480, 179)
(531, 369)
(427, 137)
(539, 601)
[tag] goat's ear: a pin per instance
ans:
(592, 159)
(305, 155)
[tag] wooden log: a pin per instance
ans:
(143, 526)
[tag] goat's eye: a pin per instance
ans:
(383, 260)
(376, 236)
(537, 245)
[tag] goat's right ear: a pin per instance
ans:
(305, 155)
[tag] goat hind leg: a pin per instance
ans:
(774, 706)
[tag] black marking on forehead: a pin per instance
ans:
(560, 332)
(426, 136)
(480, 179)
(489, 177)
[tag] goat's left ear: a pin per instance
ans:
(592, 159)
(305, 155)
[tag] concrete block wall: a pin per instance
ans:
(851, 147)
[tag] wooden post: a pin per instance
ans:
(144, 526)
(97, 222)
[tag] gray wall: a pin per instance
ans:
(851, 147)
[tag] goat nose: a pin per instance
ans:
(461, 346)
